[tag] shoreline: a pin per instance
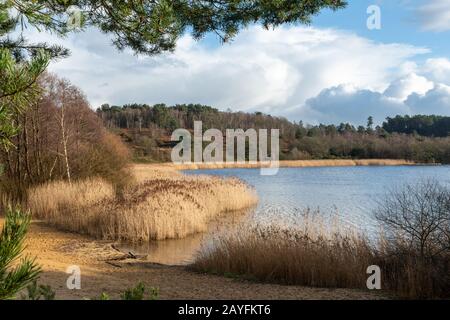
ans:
(285, 164)
(56, 250)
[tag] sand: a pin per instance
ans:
(100, 272)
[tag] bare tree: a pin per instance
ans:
(65, 135)
(417, 218)
(61, 138)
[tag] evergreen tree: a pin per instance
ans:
(14, 279)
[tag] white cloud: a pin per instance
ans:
(409, 95)
(274, 71)
(350, 104)
(318, 75)
(403, 87)
(435, 15)
(435, 101)
(437, 69)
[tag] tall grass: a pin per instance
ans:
(159, 205)
(317, 253)
(322, 253)
(287, 164)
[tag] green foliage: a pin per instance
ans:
(429, 126)
(152, 27)
(137, 293)
(140, 292)
(104, 297)
(39, 292)
(17, 89)
(14, 279)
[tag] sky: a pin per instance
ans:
(334, 70)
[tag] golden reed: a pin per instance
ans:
(285, 164)
(160, 204)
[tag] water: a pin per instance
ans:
(350, 192)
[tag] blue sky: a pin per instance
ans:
(335, 70)
(400, 23)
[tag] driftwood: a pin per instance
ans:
(124, 256)
(113, 264)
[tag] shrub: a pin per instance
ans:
(39, 292)
(140, 293)
(416, 248)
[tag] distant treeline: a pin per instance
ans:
(429, 126)
(147, 129)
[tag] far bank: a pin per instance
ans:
(283, 164)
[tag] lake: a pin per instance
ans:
(350, 192)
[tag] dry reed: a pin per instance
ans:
(315, 253)
(162, 204)
(322, 253)
(282, 164)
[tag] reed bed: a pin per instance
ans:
(322, 253)
(159, 205)
(316, 252)
(282, 164)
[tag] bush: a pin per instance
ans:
(416, 249)
(140, 293)
(39, 292)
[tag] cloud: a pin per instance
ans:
(411, 95)
(437, 69)
(435, 15)
(272, 71)
(403, 87)
(435, 101)
(304, 73)
(349, 104)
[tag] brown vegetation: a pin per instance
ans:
(292, 164)
(147, 130)
(60, 138)
(414, 253)
(55, 250)
(316, 253)
(160, 205)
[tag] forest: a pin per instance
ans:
(147, 129)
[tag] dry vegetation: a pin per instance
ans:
(294, 164)
(413, 254)
(160, 204)
(61, 138)
(316, 253)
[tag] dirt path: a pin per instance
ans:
(56, 250)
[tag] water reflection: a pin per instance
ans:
(183, 251)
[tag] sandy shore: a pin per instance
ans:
(55, 251)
